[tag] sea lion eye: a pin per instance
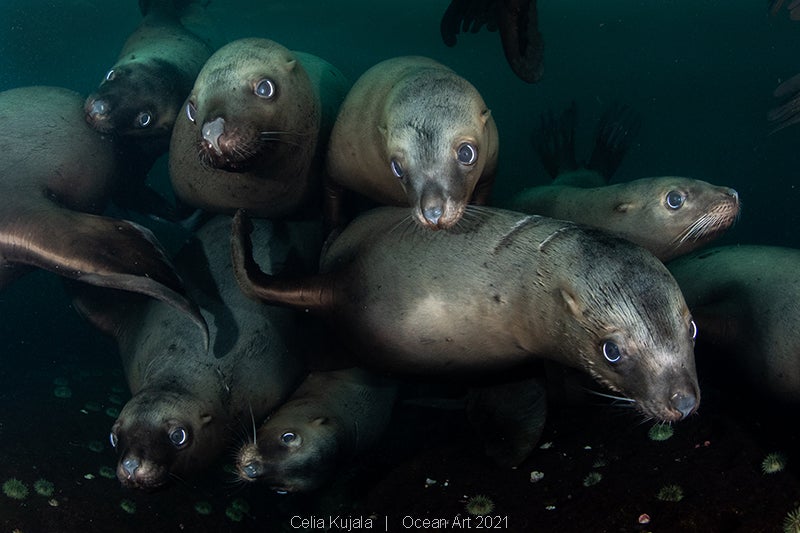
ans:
(675, 199)
(178, 436)
(191, 111)
(397, 169)
(467, 154)
(611, 352)
(288, 437)
(113, 439)
(110, 75)
(265, 88)
(693, 328)
(143, 119)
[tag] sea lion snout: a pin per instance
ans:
(98, 113)
(685, 402)
(212, 131)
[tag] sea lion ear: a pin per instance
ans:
(485, 114)
(206, 418)
(572, 303)
(320, 420)
(384, 131)
(622, 208)
(290, 64)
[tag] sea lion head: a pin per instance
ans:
(252, 98)
(440, 140)
(684, 213)
(137, 98)
(290, 456)
(160, 434)
(629, 326)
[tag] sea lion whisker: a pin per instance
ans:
(610, 396)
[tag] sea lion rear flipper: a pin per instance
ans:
(616, 129)
(314, 292)
(98, 250)
(555, 141)
(463, 15)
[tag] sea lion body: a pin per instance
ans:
(746, 301)
(142, 94)
(669, 215)
(496, 291)
(186, 398)
(414, 116)
(255, 130)
(330, 419)
(56, 175)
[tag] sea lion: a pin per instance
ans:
(787, 113)
(142, 94)
(254, 132)
(186, 398)
(518, 23)
(497, 290)
(746, 301)
(330, 419)
(413, 132)
(56, 175)
(668, 215)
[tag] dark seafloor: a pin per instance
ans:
(701, 75)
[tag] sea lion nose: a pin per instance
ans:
(130, 465)
(212, 132)
(684, 402)
(251, 470)
(433, 214)
(98, 108)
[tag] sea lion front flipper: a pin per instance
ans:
(616, 129)
(518, 21)
(315, 292)
(98, 250)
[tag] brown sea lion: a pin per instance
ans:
(186, 399)
(668, 215)
(498, 290)
(787, 113)
(518, 23)
(329, 420)
(143, 93)
(56, 175)
(254, 130)
(746, 301)
(413, 132)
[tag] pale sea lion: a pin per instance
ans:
(668, 215)
(496, 291)
(56, 174)
(413, 132)
(517, 22)
(187, 400)
(254, 132)
(746, 301)
(332, 418)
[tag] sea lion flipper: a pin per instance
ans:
(555, 141)
(616, 129)
(312, 293)
(101, 251)
(523, 45)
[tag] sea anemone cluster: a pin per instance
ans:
(791, 524)
(773, 462)
(128, 506)
(660, 432)
(237, 509)
(203, 508)
(44, 488)
(592, 478)
(15, 489)
(479, 505)
(670, 493)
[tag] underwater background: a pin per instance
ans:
(701, 75)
